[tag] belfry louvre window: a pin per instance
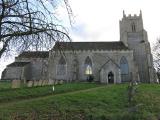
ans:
(133, 27)
(62, 66)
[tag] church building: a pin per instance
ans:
(104, 62)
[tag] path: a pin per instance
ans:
(46, 97)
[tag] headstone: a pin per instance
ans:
(35, 83)
(40, 82)
(55, 82)
(47, 82)
(50, 82)
(44, 83)
(30, 83)
(16, 83)
(60, 82)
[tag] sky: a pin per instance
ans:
(98, 20)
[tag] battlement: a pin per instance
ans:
(129, 16)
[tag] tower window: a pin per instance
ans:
(133, 27)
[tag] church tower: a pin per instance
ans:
(133, 35)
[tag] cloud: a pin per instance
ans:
(1, 45)
(4, 62)
(101, 18)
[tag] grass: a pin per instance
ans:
(96, 103)
(149, 97)
(5, 85)
(9, 95)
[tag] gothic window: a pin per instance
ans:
(133, 27)
(62, 66)
(75, 69)
(75, 63)
(124, 69)
(88, 66)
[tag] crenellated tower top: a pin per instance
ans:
(135, 16)
(130, 27)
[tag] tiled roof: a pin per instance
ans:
(90, 46)
(18, 64)
(34, 54)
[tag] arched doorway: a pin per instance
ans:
(110, 77)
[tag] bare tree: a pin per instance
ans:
(30, 24)
(156, 56)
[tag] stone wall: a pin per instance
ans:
(17, 73)
(13, 73)
(38, 68)
(98, 58)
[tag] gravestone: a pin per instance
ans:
(55, 82)
(50, 82)
(30, 83)
(40, 82)
(60, 82)
(44, 83)
(47, 82)
(35, 83)
(16, 83)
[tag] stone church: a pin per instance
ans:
(104, 62)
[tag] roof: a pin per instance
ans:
(108, 62)
(18, 64)
(90, 46)
(34, 54)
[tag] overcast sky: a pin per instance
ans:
(98, 20)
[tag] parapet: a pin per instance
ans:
(132, 16)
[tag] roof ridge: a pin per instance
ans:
(90, 41)
(35, 51)
(111, 45)
(34, 54)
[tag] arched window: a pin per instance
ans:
(75, 64)
(88, 66)
(124, 69)
(62, 66)
(75, 70)
(133, 27)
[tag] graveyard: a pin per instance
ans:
(79, 101)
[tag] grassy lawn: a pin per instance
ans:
(149, 97)
(9, 95)
(5, 85)
(97, 103)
